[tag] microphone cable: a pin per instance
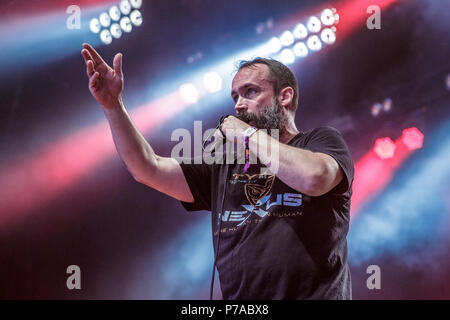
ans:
(211, 289)
(218, 127)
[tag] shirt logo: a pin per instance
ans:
(262, 206)
(255, 191)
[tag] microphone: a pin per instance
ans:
(218, 127)
(216, 141)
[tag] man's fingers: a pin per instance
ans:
(95, 56)
(86, 55)
(90, 68)
(93, 81)
(117, 63)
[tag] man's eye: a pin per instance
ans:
(251, 91)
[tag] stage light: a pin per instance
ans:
(328, 36)
(125, 7)
(376, 109)
(287, 38)
(412, 138)
(189, 93)
(387, 104)
(95, 26)
(106, 37)
(327, 17)
(136, 18)
(105, 19)
(194, 57)
(300, 49)
(114, 13)
(274, 45)
(125, 24)
(409, 208)
(287, 56)
(212, 82)
(447, 81)
(314, 24)
(300, 31)
(136, 3)
(384, 148)
(336, 18)
(259, 29)
(116, 31)
(335, 15)
(114, 24)
(314, 43)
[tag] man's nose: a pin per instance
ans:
(240, 105)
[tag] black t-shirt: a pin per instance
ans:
(275, 242)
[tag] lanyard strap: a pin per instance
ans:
(246, 142)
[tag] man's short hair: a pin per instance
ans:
(280, 76)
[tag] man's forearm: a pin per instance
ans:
(298, 168)
(132, 147)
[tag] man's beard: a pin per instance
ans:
(271, 117)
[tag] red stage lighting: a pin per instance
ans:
(30, 182)
(412, 138)
(384, 148)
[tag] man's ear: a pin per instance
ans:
(286, 96)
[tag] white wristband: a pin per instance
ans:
(249, 131)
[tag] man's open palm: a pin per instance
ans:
(105, 83)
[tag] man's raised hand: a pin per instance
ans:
(105, 83)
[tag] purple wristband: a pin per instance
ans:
(246, 138)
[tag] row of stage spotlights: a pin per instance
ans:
(119, 18)
(412, 138)
(306, 37)
(297, 42)
(212, 83)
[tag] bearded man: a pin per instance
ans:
(277, 234)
